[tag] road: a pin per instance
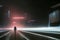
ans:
(27, 35)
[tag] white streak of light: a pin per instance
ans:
(40, 29)
(42, 35)
(54, 6)
(8, 37)
(48, 32)
(53, 30)
(4, 34)
(6, 28)
(23, 36)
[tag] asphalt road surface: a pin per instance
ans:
(23, 35)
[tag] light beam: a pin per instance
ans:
(23, 36)
(42, 35)
(8, 37)
(4, 34)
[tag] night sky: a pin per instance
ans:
(38, 10)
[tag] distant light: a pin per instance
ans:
(57, 5)
(8, 13)
(1, 6)
(18, 17)
(31, 20)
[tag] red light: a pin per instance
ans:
(14, 22)
(18, 17)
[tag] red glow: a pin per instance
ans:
(18, 17)
(14, 22)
